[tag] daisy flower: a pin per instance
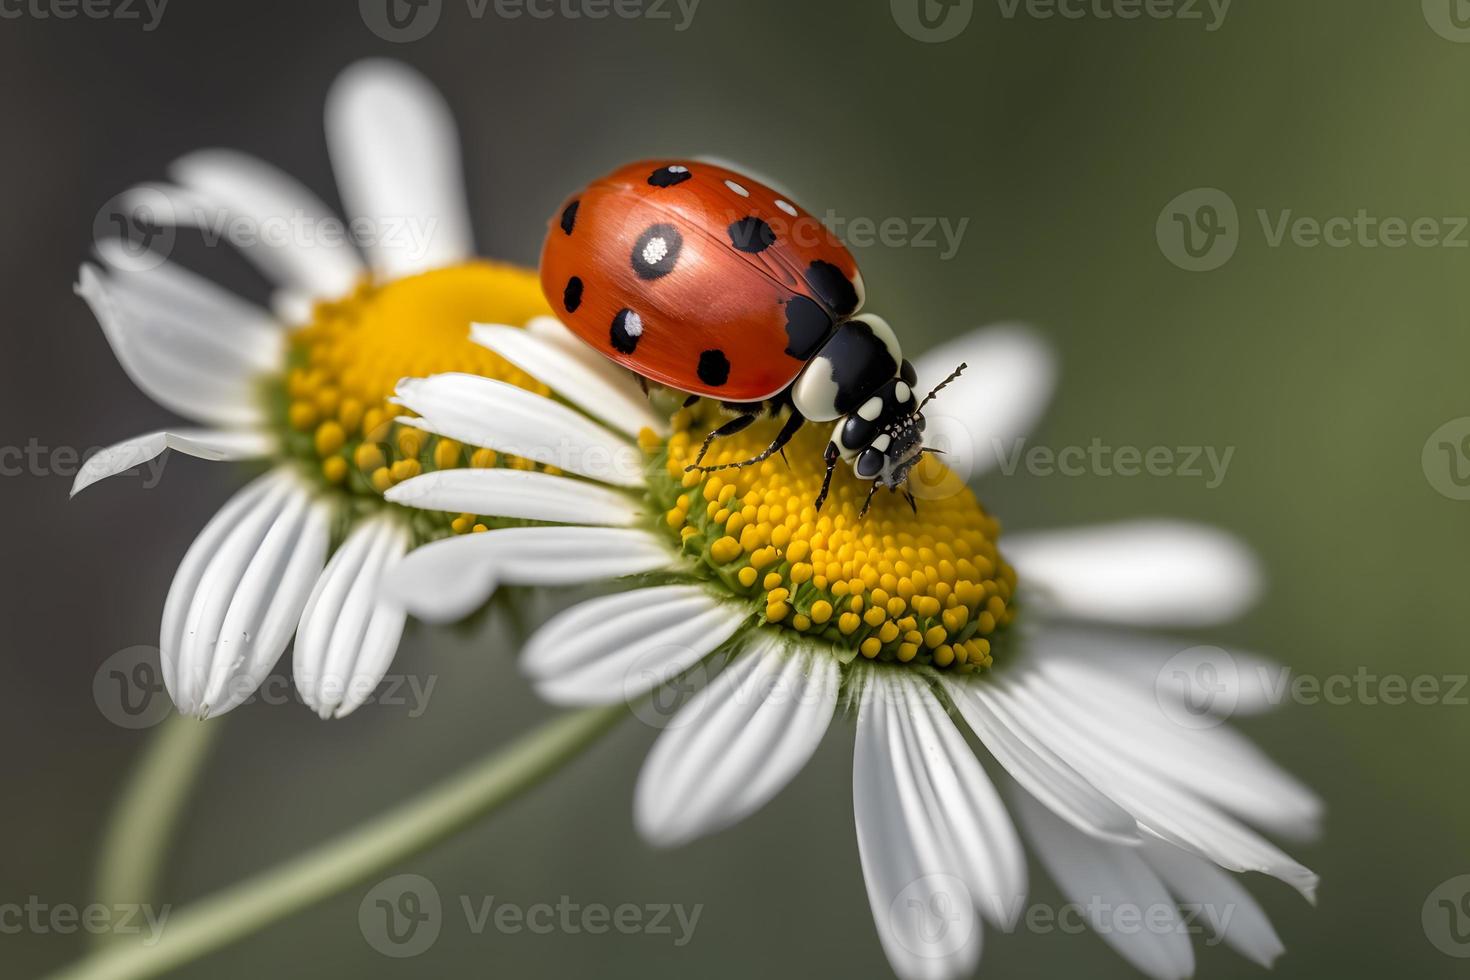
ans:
(304, 388)
(921, 625)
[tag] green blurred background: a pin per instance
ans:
(1060, 141)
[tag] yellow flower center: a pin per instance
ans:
(344, 364)
(929, 588)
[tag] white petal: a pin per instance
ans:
(1157, 804)
(396, 156)
(447, 580)
(500, 416)
(200, 359)
(580, 375)
(1215, 763)
(737, 743)
(292, 308)
(192, 298)
(203, 443)
(1116, 889)
(1038, 769)
(1256, 684)
(918, 839)
(349, 632)
(997, 400)
(273, 219)
(1146, 572)
(1223, 904)
(521, 494)
(619, 647)
(239, 592)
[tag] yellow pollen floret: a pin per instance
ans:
(929, 588)
(334, 398)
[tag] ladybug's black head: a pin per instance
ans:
(888, 460)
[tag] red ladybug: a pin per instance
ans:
(704, 280)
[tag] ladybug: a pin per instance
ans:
(703, 280)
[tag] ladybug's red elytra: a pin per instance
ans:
(706, 281)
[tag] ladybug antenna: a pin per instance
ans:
(940, 387)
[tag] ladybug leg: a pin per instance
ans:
(832, 455)
(737, 424)
(868, 500)
(794, 422)
(913, 504)
(688, 401)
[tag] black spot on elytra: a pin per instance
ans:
(627, 329)
(571, 297)
(714, 368)
(569, 217)
(652, 260)
(668, 177)
(807, 325)
(832, 287)
(751, 235)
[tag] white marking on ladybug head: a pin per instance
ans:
(784, 206)
(870, 409)
(882, 442)
(884, 333)
(655, 250)
(901, 392)
(737, 188)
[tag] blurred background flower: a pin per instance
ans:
(1144, 190)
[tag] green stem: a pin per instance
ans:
(412, 827)
(146, 815)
